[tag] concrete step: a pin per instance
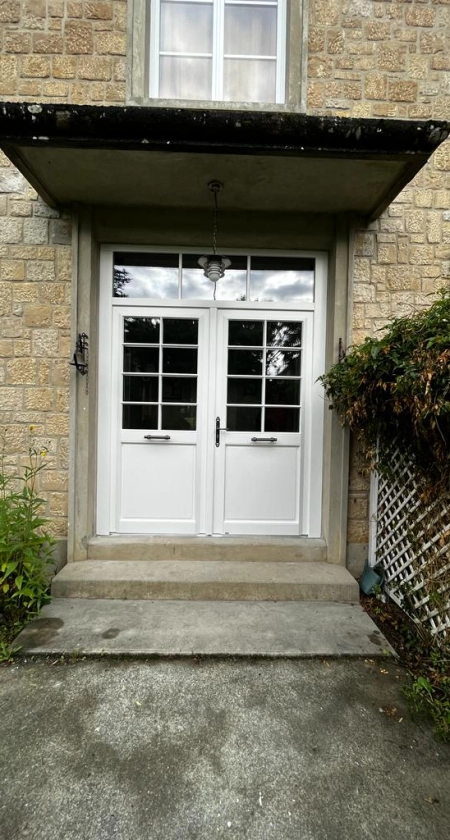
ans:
(246, 549)
(207, 580)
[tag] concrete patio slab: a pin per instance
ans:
(203, 628)
(202, 749)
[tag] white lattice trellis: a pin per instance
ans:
(411, 540)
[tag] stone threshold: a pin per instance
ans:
(244, 548)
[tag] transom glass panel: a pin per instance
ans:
(179, 276)
(224, 50)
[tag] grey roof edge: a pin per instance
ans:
(215, 131)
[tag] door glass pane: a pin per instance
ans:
(245, 362)
(141, 359)
(140, 388)
(185, 77)
(180, 417)
(283, 391)
(243, 419)
(179, 360)
(140, 417)
(141, 330)
(250, 30)
(282, 420)
(249, 80)
(244, 391)
(284, 334)
(144, 275)
(282, 278)
(186, 27)
(246, 333)
(180, 331)
(283, 363)
(179, 389)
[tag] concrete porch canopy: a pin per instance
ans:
(164, 157)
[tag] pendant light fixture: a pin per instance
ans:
(213, 264)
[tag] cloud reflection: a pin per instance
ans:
(149, 282)
(282, 285)
(231, 287)
(161, 282)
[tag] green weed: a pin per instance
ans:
(25, 546)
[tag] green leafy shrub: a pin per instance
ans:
(25, 547)
(427, 664)
(396, 390)
(429, 694)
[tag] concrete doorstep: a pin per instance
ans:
(203, 628)
(205, 580)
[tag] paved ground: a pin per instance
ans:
(230, 628)
(255, 750)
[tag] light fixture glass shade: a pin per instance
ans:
(214, 266)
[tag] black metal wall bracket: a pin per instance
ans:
(80, 357)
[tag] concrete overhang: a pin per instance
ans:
(164, 157)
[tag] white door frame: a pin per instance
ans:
(314, 406)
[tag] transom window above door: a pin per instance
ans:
(172, 276)
(218, 50)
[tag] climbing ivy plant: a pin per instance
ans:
(396, 390)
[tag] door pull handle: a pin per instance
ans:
(261, 440)
(156, 437)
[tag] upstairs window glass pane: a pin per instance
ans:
(186, 27)
(250, 29)
(218, 50)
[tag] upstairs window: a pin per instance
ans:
(218, 50)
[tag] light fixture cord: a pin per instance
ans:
(216, 215)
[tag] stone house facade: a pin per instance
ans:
(360, 59)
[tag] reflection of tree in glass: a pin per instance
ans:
(120, 279)
(283, 363)
(284, 334)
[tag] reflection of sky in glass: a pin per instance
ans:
(269, 281)
(282, 285)
(230, 287)
(149, 282)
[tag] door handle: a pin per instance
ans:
(156, 437)
(219, 429)
(268, 440)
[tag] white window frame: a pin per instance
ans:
(218, 55)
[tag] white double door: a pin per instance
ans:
(211, 423)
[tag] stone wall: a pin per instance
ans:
(370, 58)
(62, 51)
(366, 58)
(51, 51)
